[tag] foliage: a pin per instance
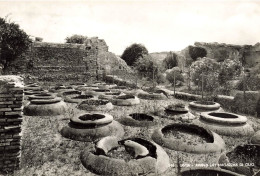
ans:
(79, 39)
(206, 70)
(13, 42)
(147, 67)
(229, 69)
(170, 61)
(175, 72)
(133, 53)
(245, 102)
(251, 83)
(196, 52)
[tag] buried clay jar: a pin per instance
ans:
(139, 120)
(126, 100)
(188, 138)
(132, 156)
(45, 107)
(95, 105)
(227, 124)
(90, 127)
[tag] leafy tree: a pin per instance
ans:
(13, 42)
(146, 66)
(206, 71)
(134, 52)
(228, 70)
(174, 75)
(79, 39)
(170, 61)
(196, 52)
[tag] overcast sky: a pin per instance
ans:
(159, 25)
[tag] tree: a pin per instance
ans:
(146, 66)
(228, 70)
(133, 52)
(205, 71)
(170, 61)
(13, 42)
(79, 39)
(175, 76)
(196, 52)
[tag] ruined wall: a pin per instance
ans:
(11, 96)
(56, 62)
(249, 55)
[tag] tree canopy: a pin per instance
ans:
(79, 39)
(133, 52)
(170, 61)
(196, 52)
(13, 42)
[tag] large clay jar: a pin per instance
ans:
(45, 107)
(227, 124)
(146, 157)
(211, 142)
(91, 127)
(126, 100)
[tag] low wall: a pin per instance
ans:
(11, 97)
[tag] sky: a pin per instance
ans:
(159, 25)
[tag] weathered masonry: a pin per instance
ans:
(11, 97)
(56, 62)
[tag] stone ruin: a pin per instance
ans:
(11, 97)
(54, 62)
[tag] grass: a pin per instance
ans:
(45, 152)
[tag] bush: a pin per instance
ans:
(229, 69)
(79, 39)
(196, 52)
(13, 42)
(134, 52)
(178, 76)
(251, 83)
(225, 101)
(245, 103)
(170, 61)
(206, 70)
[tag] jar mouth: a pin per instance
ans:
(190, 129)
(223, 115)
(125, 97)
(91, 117)
(141, 117)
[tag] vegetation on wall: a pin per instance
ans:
(79, 39)
(13, 42)
(196, 52)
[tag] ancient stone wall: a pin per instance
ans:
(55, 62)
(249, 55)
(11, 96)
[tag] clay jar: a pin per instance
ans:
(92, 126)
(212, 142)
(146, 157)
(139, 120)
(45, 106)
(227, 124)
(126, 100)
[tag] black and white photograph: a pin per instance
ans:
(130, 88)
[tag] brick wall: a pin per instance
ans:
(11, 97)
(56, 62)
